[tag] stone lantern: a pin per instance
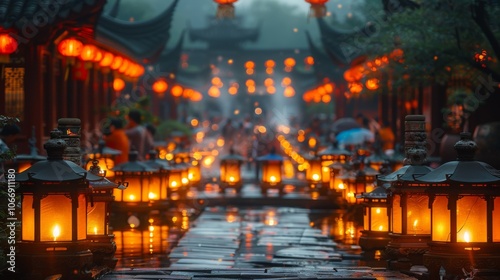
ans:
(54, 216)
(464, 196)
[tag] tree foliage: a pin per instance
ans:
(442, 40)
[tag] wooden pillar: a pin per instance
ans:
(33, 99)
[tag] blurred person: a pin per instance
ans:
(118, 140)
(228, 132)
(140, 139)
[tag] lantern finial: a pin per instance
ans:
(55, 146)
(465, 147)
(153, 154)
(133, 155)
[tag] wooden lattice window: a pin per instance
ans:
(14, 91)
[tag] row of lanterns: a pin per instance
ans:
(73, 48)
(443, 218)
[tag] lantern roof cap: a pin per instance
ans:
(334, 150)
(55, 168)
(270, 157)
(464, 169)
(462, 172)
(155, 162)
(406, 173)
(232, 156)
(105, 150)
(377, 192)
(132, 165)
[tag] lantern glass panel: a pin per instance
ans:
(56, 222)
(496, 220)
(133, 191)
(418, 215)
(174, 179)
(96, 218)
(471, 219)
(271, 172)
(230, 172)
(313, 173)
(81, 217)
(28, 221)
(397, 214)
(152, 192)
(440, 219)
(379, 219)
(194, 172)
(325, 174)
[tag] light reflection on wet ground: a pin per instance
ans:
(229, 237)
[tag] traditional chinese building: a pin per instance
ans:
(60, 59)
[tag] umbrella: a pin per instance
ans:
(355, 136)
(343, 124)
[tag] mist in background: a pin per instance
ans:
(283, 23)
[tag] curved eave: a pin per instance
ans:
(143, 40)
(406, 173)
(168, 62)
(462, 172)
(55, 171)
(332, 40)
(322, 65)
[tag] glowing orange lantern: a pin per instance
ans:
(117, 62)
(225, 9)
(309, 60)
(196, 96)
(318, 8)
(355, 87)
(124, 66)
(70, 47)
(88, 52)
(118, 84)
(8, 44)
(160, 86)
(107, 59)
(177, 91)
(98, 55)
(289, 91)
(289, 62)
(213, 92)
(249, 64)
(269, 63)
(372, 84)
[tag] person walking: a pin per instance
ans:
(118, 140)
(140, 139)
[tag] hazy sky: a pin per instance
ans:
(283, 28)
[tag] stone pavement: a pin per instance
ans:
(258, 243)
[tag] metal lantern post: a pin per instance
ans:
(230, 171)
(408, 202)
(54, 216)
(102, 243)
(465, 200)
(375, 234)
(158, 183)
(330, 156)
(271, 170)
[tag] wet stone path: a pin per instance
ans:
(265, 243)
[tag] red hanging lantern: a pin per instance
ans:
(70, 47)
(88, 52)
(177, 91)
(159, 87)
(118, 84)
(8, 44)
(117, 62)
(107, 59)
(225, 9)
(318, 8)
